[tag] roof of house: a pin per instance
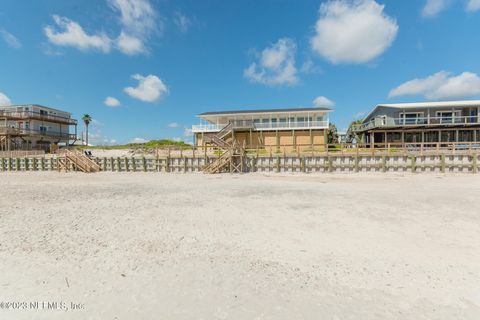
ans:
(257, 111)
(35, 105)
(437, 104)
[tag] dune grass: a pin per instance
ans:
(152, 144)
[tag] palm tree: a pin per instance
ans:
(332, 134)
(351, 134)
(86, 119)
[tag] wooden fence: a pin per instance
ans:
(393, 162)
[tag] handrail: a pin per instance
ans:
(85, 163)
(264, 126)
(392, 122)
(36, 115)
(23, 131)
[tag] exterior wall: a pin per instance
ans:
(51, 127)
(286, 138)
(276, 139)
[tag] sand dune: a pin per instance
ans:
(159, 246)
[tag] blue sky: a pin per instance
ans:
(144, 68)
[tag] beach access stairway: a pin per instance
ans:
(75, 160)
(233, 155)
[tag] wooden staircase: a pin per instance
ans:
(232, 158)
(219, 164)
(74, 160)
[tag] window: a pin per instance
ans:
(300, 119)
(320, 118)
(282, 120)
(447, 116)
(256, 121)
(43, 112)
(265, 120)
(43, 129)
(274, 120)
(412, 117)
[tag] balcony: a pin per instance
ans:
(25, 115)
(37, 133)
(302, 125)
(417, 122)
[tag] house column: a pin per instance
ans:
(277, 138)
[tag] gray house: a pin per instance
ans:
(447, 121)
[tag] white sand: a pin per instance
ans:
(158, 246)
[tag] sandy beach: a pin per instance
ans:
(194, 246)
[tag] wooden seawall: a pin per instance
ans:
(458, 162)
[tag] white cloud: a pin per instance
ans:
(4, 100)
(473, 5)
(149, 89)
(181, 21)
(187, 132)
(10, 39)
(309, 67)
(323, 102)
(138, 140)
(109, 142)
(130, 45)
(136, 16)
(276, 65)
(111, 102)
(441, 85)
(353, 31)
(434, 7)
(138, 20)
(173, 125)
(71, 34)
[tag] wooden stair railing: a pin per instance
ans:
(219, 164)
(233, 155)
(68, 159)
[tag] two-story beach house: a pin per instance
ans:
(298, 128)
(424, 122)
(25, 127)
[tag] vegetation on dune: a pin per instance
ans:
(152, 144)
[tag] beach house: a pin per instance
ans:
(26, 127)
(299, 128)
(424, 122)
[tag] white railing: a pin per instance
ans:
(36, 115)
(419, 121)
(266, 126)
